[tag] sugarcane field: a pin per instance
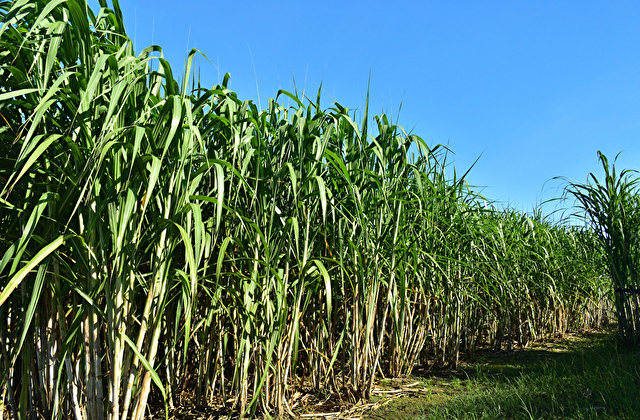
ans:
(171, 250)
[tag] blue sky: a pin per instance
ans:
(535, 87)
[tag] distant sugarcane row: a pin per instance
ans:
(156, 239)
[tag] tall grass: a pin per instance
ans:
(158, 237)
(611, 207)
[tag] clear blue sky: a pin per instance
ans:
(535, 87)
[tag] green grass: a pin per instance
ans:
(585, 377)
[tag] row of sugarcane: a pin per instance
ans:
(159, 237)
(611, 206)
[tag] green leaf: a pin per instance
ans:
(37, 259)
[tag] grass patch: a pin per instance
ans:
(581, 377)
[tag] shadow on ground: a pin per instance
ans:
(576, 377)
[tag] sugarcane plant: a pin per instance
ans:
(101, 148)
(612, 208)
